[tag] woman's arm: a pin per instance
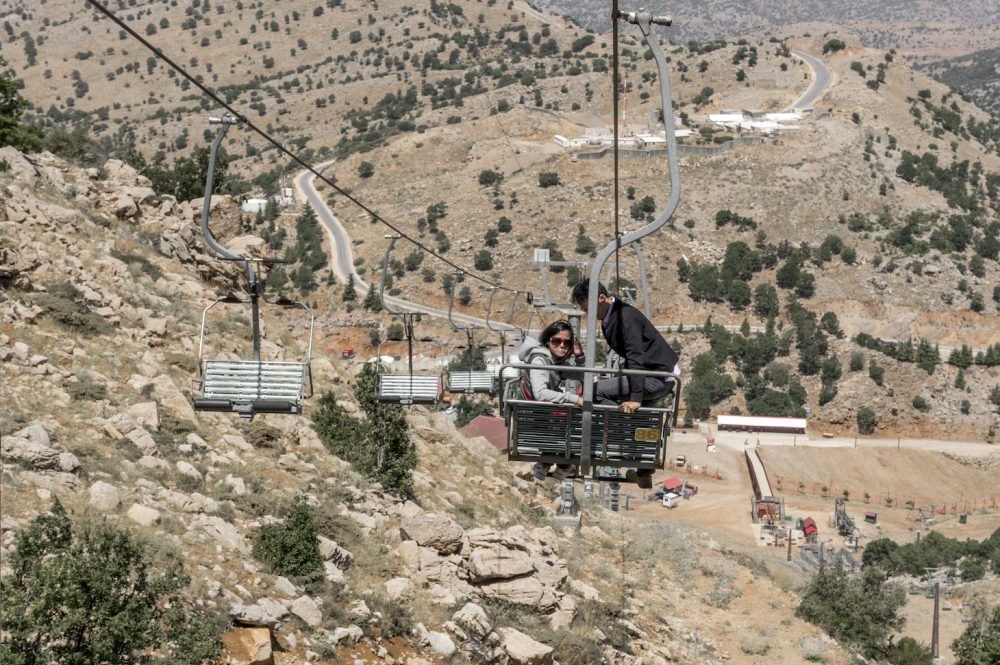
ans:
(539, 379)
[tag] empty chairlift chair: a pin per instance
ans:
(409, 388)
(247, 386)
(469, 380)
(252, 386)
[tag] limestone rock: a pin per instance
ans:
(256, 614)
(222, 532)
(104, 496)
(248, 646)
(142, 440)
(473, 619)
(143, 515)
(283, 586)
(306, 609)
(350, 635)
(187, 469)
(398, 587)
(563, 617)
(33, 453)
(523, 650)
(331, 551)
(439, 532)
(146, 414)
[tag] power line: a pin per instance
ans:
(267, 137)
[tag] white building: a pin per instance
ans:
(253, 206)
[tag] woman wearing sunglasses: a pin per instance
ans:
(556, 347)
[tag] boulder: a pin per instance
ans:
(331, 551)
(104, 496)
(350, 635)
(247, 646)
(398, 587)
(438, 532)
(146, 414)
(257, 614)
(221, 532)
(33, 453)
(306, 609)
(143, 515)
(473, 619)
(523, 650)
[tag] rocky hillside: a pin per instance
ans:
(98, 335)
(879, 210)
(916, 28)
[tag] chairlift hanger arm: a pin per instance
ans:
(393, 237)
(644, 21)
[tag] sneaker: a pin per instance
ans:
(538, 471)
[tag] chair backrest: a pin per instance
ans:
(464, 381)
(547, 433)
(247, 380)
(409, 388)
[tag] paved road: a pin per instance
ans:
(343, 259)
(821, 81)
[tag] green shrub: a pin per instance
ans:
(867, 420)
(261, 435)
(291, 547)
(90, 594)
(85, 390)
(64, 304)
(548, 179)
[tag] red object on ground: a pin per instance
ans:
(672, 483)
(809, 526)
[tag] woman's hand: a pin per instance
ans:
(577, 349)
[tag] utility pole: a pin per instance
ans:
(935, 638)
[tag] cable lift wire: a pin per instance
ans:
(158, 53)
(644, 21)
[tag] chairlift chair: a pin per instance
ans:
(552, 433)
(409, 388)
(468, 380)
(247, 386)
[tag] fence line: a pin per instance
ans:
(888, 499)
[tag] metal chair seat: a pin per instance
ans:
(409, 388)
(472, 381)
(247, 387)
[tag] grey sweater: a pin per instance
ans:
(548, 383)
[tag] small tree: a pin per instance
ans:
(488, 177)
(366, 169)
(867, 420)
(548, 179)
(12, 106)
(980, 642)
(94, 593)
(483, 260)
(292, 546)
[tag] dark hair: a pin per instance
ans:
(581, 292)
(553, 329)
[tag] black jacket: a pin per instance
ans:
(641, 345)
